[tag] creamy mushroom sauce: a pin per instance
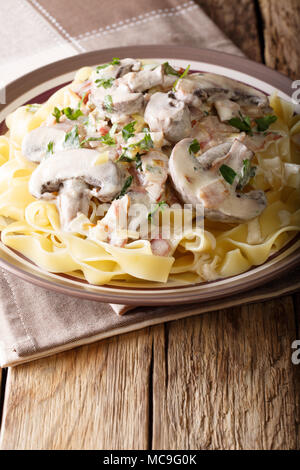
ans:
(155, 134)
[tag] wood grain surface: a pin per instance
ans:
(223, 380)
(281, 33)
(217, 386)
(94, 397)
(238, 20)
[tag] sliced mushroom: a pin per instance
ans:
(144, 79)
(200, 88)
(199, 181)
(35, 143)
(165, 113)
(227, 109)
(210, 132)
(73, 197)
(118, 70)
(71, 173)
(188, 91)
(117, 99)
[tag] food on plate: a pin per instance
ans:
(150, 172)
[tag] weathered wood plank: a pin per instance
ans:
(94, 397)
(281, 32)
(225, 380)
(238, 22)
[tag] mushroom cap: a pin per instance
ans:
(34, 145)
(77, 163)
(213, 85)
(118, 70)
(144, 79)
(164, 113)
(123, 100)
(199, 181)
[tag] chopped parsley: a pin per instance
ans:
(242, 123)
(126, 158)
(72, 139)
(186, 71)
(138, 162)
(108, 103)
(263, 123)
(169, 70)
(184, 74)
(228, 173)
(144, 144)
(115, 61)
(248, 172)
(71, 113)
(104, 82)
(194, 147)
(106, 139)
(57, 113)
(125, 188)
(159, 206)
(49, 148)
(128, 130)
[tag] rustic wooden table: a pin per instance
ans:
(224, 380)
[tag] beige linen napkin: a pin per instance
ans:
(33, 321)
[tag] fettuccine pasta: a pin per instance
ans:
(128, 135)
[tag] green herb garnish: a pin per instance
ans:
(248, 172)
(108, 103)
(72, 139)
(57, 113)
(138, 162)
(126, 158)
(128, 130)
(228, 173)
(71, 113)
(126, 185)
(186, 71)
(194, 147)
(158, 206)
(49, 148)
(242, 123)
(169, 70)
(115, 61)
(263, 123)
(104, 82)
(106, 139)
(144, 144)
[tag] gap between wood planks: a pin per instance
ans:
(3, 376)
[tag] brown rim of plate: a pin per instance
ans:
(153, 296)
